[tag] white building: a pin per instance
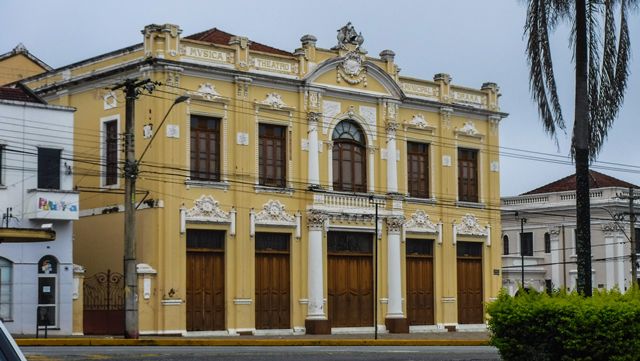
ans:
(38, 204)
(549, 237)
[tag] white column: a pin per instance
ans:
(315, 309)
(392, 166)
(394, 273)
(329, 165)
(314, 165)
(556, 278)
(620, 245)
(371, 168)
(609, 251)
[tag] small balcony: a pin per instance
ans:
(336, 202)
(52, 204)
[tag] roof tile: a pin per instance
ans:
(596, 180)
(217, 36)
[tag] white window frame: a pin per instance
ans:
(103, 151)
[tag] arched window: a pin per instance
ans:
(6, 270)
(349, 157)
(505, 245)
(47, 285)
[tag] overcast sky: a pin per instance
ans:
(473, 41)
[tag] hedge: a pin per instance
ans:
(562, 326)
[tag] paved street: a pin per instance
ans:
(308, 353)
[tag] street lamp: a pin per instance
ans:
(376, 202)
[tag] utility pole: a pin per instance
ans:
(522, 222)
(632, 234)
(132, 89)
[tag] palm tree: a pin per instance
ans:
(602, 68)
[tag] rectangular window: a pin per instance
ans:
(637, 240)
(547, 243)
(418, 169)
(419, 247)
(49, 168)
(467, 175)
(110, 147)
(273, 155)
(205, 148)
(526, 243)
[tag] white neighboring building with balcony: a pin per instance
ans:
(38, 207)
(549, 240)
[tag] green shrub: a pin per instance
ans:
(562, 326)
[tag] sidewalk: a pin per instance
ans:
(386, 339)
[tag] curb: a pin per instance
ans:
(244, 342)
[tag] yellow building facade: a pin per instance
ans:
(308, 191)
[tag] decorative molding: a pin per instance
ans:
(351, 69)
(369, 114)
(274, 100)
(207, 91)
(611, 227)
(420, 223)
(445, 114)
(469, 226)
(419, 122)
(110, 100)
(391, 110)
(469, 129)
(273, 214)
(206, 209)
(329, 110)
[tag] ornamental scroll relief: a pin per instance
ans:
(273, 214)
(207, 209)
(470, 226)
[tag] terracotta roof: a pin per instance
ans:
(596, 180)
(217, 36)
(19, 93)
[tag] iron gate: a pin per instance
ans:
(104, 304)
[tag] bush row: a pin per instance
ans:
(562, 326)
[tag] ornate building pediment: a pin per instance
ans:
(207, 209)
(420, 223)
(469, 226)
(208, 92)
(273, 214)
(469, 129)
(274, 100)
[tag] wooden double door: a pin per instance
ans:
(350, 279)
(273, 285)
(205, 280)
(419, 281)
(470, 296)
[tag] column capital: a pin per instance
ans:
(314, 117)
(391, 127)
(316, 220)
(394, 224)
